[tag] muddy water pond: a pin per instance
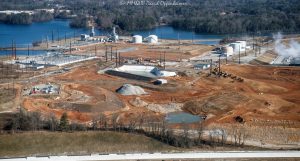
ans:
(182, 117)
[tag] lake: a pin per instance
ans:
(24, 35)
(22, 52)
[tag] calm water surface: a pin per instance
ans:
(26, 34)
(182, 117)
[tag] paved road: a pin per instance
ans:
(160, 156)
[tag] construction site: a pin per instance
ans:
(246, 86)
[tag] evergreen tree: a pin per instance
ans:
(64, 122)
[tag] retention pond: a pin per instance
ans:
(182, 117)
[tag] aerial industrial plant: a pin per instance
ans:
(191, 91)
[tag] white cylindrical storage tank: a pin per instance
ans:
(228, 50)
(138, 39)
(243, 45)
(236, 47)
(152, 39)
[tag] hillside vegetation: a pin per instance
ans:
(208, 16)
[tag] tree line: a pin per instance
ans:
(203, 16)
(159, 130)
(25, 18)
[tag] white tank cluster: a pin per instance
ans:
(137, 39)
(153, 39)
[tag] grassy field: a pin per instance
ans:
(54, 143)
(6, 97)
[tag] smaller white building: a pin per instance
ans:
(237, 47)
(160, 81)
(201, 66)
(227, 50)
(84, 37)
(137, 39)
(243, 45)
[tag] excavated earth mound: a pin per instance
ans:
(128, 89)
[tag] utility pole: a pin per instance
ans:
(256, 44)
(74, 36)
(58, 35)
(116, 57)
(219, 63)
(65, 37)
(111, 53)
(116, 60)
(164, 60)
(28, 50)
(210, 71)
(259, 49)
(105, 53)
(13, 86)
(15, 51)
(52, 36)
(239, 55)
(246, 50)
(253, 41)
(119, 58)
(255, 53)
(70, 48)
(47, 42)
(12, 48)
(160, 62)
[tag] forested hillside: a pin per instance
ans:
(211, 16)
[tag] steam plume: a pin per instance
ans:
(290, 50)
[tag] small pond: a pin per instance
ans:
(182, 117)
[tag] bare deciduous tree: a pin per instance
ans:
(114, 121)
(52, 122)
(200, 131)
(95, 121)
(102, 121)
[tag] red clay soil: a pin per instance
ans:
(88, 73)
(145, 53)
(267, 93)
(42, 105)
(273, 93)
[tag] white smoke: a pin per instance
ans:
(290, 50)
